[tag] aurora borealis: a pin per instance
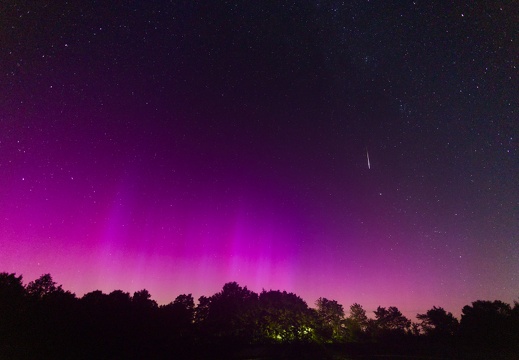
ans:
(177, 146)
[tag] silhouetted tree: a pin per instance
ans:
(331, 318)
(389, 324)
(358, 315)
(185, 306)
(52, 316)
(119, 299)
(202, 309)
(231, 314)
(489, 325)
(438, 323)
(11, 288)
(97, 324)
(178, 316)
(514, 324)
(111, 323)
(120, 308)
(42, 286)
(142, 300)
(356, 323)
(391, 319)
(12, 314)
(436, 332)
(94, 299)
(143, 322)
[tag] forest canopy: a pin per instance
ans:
(42, 317)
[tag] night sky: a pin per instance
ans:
(179, 145)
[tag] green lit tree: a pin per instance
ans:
(285, 317)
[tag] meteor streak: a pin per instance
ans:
(367, 155)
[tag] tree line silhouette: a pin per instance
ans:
(42, 320)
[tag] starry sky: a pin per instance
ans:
(179, 145)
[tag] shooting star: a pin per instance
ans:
(367, 155)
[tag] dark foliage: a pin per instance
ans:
(41, 320)
(492, 325)
(437, 323)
